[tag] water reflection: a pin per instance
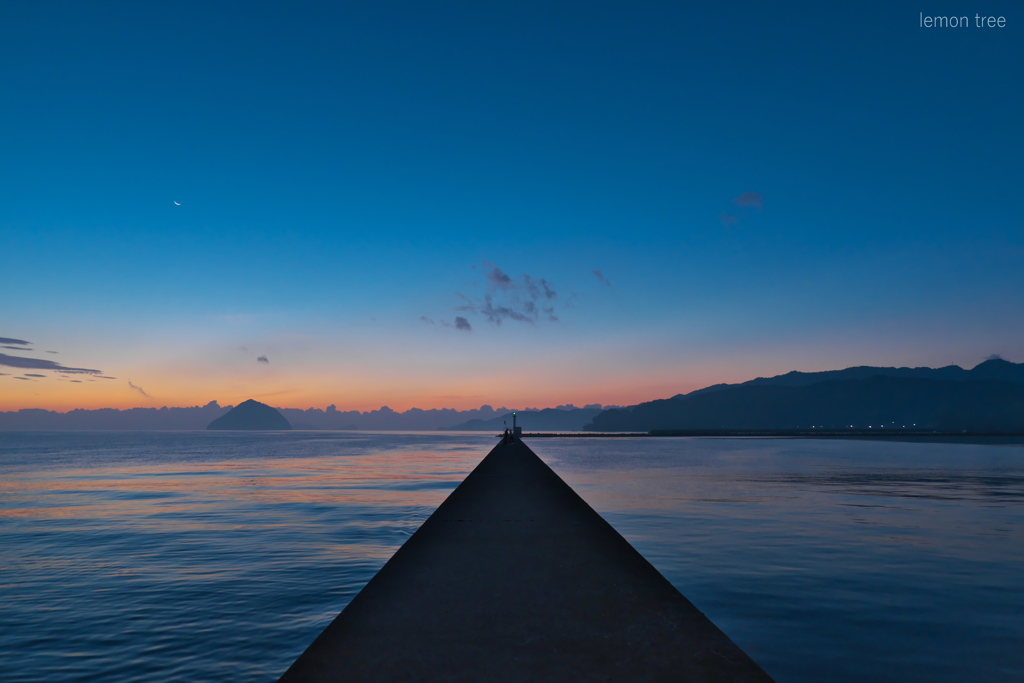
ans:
(221, 561)
(830, 560)
(1005, 486)
(170, 556)
(391, 479)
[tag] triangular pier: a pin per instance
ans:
(515, 578)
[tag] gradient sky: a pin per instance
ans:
(447, 204)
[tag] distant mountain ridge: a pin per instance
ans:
(198, 417)
(994, 368)
(989, 397)
(546, 420)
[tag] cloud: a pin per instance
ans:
(509, 298)
(498, 278)
(263, 359)
(994, 356)
(29, 374)
(24, 378)
(600, 276)
(462, 324)
(745, 204)
(138, 389)
(105, 377)
(39, 364)
(76, 381)
(753, 199)
(427, 320)
(496, 314)
(537, 289)
(53, 351)
(8, 340)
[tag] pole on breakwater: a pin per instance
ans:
(515, 577)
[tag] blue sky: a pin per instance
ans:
(762, 188)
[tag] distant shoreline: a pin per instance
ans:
(791, 433)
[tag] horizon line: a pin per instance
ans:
(331, 408)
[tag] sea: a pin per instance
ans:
(210, 556)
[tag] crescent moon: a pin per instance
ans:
(176, 203)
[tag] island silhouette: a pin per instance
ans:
(251, 415)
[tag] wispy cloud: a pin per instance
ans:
(601, 278)
(753, 199)
(498, 278)
(425, 319)
(510, 298)
(8, 340)
(496, 314)
(138, 389)
(30, 374)
(539, 289)
(744, 205)
(263, 359)
(462, 324)
(994, 356)
(40, 364)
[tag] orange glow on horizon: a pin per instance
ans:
(540, 383)
(498, 392)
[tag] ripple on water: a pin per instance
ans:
(220, 556)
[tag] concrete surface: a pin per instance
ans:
(515, 578)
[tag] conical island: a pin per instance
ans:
(251, 415)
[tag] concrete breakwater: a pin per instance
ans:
(514, 577)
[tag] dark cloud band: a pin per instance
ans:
(39, 364)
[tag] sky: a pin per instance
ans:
(451, 204)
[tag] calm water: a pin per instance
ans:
(219, 556)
